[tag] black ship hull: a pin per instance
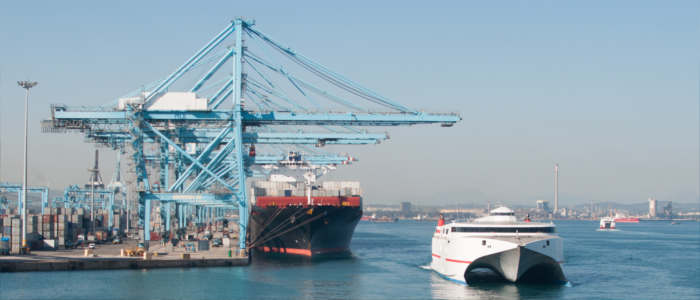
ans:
(304, 231)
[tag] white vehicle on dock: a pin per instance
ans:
(515, 250)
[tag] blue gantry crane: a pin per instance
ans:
(185, 133)
(76, 197)
(17, 188)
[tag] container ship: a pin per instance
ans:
(625, 219)
(290, 218)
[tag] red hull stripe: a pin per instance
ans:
(435, 255)
(297, 251)
(458, 261)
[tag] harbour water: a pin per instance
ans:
(649, 260)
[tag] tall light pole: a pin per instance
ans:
(1, 131)
(556, 189)
(25, 85)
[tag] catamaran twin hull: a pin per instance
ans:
(515, 250)
(516, 259)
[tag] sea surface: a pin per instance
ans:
(649, 260)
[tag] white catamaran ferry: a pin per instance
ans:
(607, 223)
(515, 250)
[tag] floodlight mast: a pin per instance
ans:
(23, 210)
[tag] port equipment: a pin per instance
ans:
(76, 197)
(6, 187)
(134, 252)
(95, 192)
(3, 205)
(119, 188)
(185, 134)
(94, 182)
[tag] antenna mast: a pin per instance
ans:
(556, 189)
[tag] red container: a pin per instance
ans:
(155, 236)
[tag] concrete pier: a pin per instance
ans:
(25, 264)
(107, 257)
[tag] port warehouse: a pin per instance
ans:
(192, 150)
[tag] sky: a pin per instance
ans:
(607, 89)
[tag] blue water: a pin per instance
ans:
(654, 260)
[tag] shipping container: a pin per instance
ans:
(202, 245)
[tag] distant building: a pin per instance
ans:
(564, 212)
(406, 208)
(652, 207)
(543, 205)
(668, 210)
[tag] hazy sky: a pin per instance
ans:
(608, 89)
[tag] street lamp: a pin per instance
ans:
(25, 85)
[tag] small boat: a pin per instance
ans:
(515, 250)
(382, 219)
(607, 223)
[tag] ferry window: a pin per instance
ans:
(483, 242)
(504, 229)
(547, 242)
(503, 214)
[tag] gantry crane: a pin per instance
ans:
(17, 188)
(186, 140)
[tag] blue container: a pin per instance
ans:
(4, 246)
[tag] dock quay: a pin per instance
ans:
(108, 257)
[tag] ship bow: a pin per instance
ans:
(520, 264)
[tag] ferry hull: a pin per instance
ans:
(523, 259)
(303, 231)
(514, 264)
